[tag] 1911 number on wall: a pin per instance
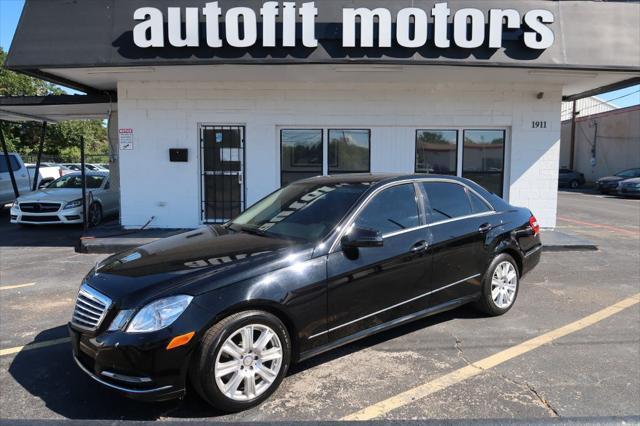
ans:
(538, 124)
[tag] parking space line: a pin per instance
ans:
(596, 225)
(412, 395)
(11, 287)
(36, 345)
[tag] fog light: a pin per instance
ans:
(182, 340)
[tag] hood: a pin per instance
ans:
(610, 179)
(51, 195)
(202, 260)
(631, 181)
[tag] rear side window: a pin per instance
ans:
(477, 205)
(392, 210)
(446, 201)
(3, 163)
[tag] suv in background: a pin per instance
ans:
(570, 178)
(20, 173)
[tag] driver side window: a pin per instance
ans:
(392, 210)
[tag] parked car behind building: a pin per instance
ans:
(570, 178)
(61, 201)
(609, 184)
(630, 187)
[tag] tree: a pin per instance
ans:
(61, 139)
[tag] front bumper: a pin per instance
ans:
(607, 187)
(68, 216)
(630, 191)
(137, 365)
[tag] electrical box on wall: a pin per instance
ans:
(178, 155)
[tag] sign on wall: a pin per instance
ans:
(288, 24)
(125, 139)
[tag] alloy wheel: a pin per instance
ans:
(248, 362)
(504, 285)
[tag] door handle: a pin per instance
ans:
(419, 247)
(485, 227)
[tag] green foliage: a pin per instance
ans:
(62, 139)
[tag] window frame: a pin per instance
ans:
(504, 154)
(458, 131)
(322, 143)
(422, 219)
(349, 220)
(329, 130)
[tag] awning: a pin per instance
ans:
(55, 108)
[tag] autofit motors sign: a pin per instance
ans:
(288, 24)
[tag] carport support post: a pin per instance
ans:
(40, 149)
(8, 160)
(84, 185)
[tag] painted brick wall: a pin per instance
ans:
(166, 115)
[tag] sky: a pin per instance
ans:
(10, 15)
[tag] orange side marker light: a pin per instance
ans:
(181, 340)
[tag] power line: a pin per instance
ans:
(620, 97)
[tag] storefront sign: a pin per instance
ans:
(243, 27)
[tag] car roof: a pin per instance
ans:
(102, 173)
(375, 178)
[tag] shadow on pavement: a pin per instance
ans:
(51, 375)
(37, 235)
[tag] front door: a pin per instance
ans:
(378, 284)
(222, 172)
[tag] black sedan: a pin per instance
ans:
(570, 178)
(609, 184)
(315, 265)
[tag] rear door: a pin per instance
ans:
(377, 284)
(459, 221)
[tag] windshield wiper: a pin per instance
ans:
(252, 230)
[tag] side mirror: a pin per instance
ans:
(362, 237)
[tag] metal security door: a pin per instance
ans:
(222, 172)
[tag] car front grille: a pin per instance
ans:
(40, 219)
(91, 308)
(40, 207)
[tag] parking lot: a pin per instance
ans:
(457, 365)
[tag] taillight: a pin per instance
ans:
(533, 223)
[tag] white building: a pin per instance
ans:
(212, 118)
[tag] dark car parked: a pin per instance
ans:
(315, 265)
(630, 188)
(609, 184)
(570, 178)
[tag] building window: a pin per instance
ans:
(301, 151)
(483, 158)
(437, 151)
(349, 151)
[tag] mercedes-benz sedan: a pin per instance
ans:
(315, 265)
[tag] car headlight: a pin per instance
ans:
(15, 205)
(159, 314)
(120, 320)
(73, 204)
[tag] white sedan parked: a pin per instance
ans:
(61, 201)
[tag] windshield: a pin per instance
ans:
(75, 182)
(303, 211)
(629, 173)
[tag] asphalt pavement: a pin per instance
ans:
(569, 351)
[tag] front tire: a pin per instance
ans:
(241, 361)
(500, 286)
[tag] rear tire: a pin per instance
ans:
(574, 184)
(500, 286)
(234, 371)
(95, 215)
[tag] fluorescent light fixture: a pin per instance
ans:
(128, 70)
(368, 68)
(561, 73)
